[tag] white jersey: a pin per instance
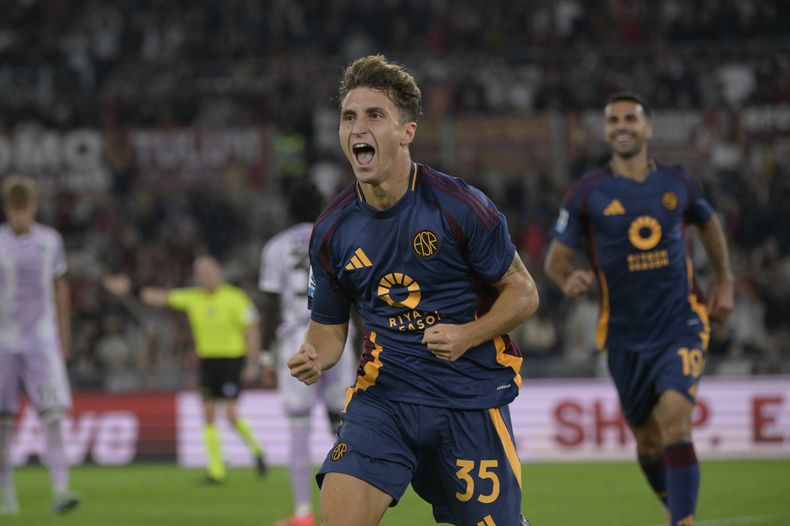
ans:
(29, 265)
(284, 271)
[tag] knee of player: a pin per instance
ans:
(649, 446)
(49, 416)
(677, 430)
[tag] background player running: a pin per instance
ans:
(631, 217)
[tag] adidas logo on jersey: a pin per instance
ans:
(360, 260)
(615, 208)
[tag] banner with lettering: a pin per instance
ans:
(553, 420)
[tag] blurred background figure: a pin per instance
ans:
(35, 337)
(224, 324)
(284, 281)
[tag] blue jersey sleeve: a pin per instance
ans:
(327, 300)
(567, 229)
(489, 248)
(698, 210)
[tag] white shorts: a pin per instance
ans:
(298, 398)
(42, 377)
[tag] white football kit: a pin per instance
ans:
(284, 271)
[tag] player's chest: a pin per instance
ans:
(643, 215)
(403, 252)
(23, 258)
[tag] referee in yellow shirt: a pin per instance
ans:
(224, 324)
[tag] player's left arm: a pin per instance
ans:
(517, 302)
(250, 321)
(252, 338)
(63, 308)
(721, 302)
(271, 316)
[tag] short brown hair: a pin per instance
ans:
(375, 71)
(19, 192)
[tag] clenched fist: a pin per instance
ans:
(304, 365)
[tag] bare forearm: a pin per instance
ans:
(517, 302)
(154, 296)
(328, 340)
(510, 310)
(712, 236)
(252, 337)
(559, 264)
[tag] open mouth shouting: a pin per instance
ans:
(364, 153)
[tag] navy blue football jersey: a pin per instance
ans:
(431, 258)
(635, 236)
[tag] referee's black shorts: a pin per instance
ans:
(220, 378)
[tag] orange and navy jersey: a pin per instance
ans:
(635, 236)
(431, 258)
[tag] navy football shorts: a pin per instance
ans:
(641, 377)
(463, 462)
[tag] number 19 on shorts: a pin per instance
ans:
(693, 361)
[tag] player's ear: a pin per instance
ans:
(649, 130)
(408, 132)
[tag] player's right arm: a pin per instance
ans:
(323, 345)
(63, 309)
(120, 286)
(559, 267)
(270, 319)
(568, 234)
(156, 297)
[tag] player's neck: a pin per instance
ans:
(391, 189)
(20, 231)
(637, 168)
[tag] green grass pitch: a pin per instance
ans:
(605, 494)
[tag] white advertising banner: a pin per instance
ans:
(553, 420)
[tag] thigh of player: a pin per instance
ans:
(297, 398)
(680, 367)
(45, 381)
(474, 475)
(633, 374)
(10, 382)
(642, 377)
(372, 446)
(220, 378)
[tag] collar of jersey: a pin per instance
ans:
(650, 164)
(395, 209)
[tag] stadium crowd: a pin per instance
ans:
(127, 64)
(99, 62)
